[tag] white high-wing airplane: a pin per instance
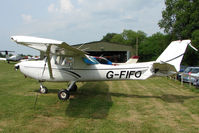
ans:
(11, 58)
(64, 63)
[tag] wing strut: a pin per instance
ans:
(49, 63)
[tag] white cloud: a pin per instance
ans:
(51, 8)
(64, 6)
(27, 18)
(77, 21)
(80, 1)
(90, 20)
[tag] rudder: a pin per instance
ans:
(174, 53)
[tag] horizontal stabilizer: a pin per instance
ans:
(163, 69)
(132, 60)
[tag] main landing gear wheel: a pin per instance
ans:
(63, 94)
(43, 90)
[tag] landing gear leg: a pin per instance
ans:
(73, 88)
(43, 89)
(64, 94)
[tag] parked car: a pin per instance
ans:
(191, 74)
(182, 69)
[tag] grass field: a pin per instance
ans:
(156, 105)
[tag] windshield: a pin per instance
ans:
(195, 70)
(90, 60)
(187, 70)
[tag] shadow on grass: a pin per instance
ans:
(101, 90)
(49, 90)
(170, 98)
(92, 100)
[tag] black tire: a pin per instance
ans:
(63, 94)
(43, 90)
(74, 88)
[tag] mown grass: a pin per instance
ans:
(156, 105)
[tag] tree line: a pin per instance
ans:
(180, 20)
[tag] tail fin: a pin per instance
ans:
(174, 53)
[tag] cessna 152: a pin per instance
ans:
(11, 58)
(64, 63)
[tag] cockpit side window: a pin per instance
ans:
(63, 61)
(68, 61)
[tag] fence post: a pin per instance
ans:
(189, 80)
(182, 79)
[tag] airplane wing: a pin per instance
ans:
(48, 46)
(3, 59)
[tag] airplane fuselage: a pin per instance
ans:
(38, 70)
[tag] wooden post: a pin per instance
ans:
(189, 80)
(136, 46)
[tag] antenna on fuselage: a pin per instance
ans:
(81, 46)
(84, 48)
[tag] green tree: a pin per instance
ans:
(180, 18)
(127, 37)
(191, 56)
(153, 46)
(108, 37)
(117, 39)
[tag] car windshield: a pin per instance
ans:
(195, 70)
(187, 70)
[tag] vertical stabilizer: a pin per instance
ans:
(174, 53)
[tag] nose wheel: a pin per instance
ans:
(43, 89)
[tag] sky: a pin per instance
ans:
(75, 21)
